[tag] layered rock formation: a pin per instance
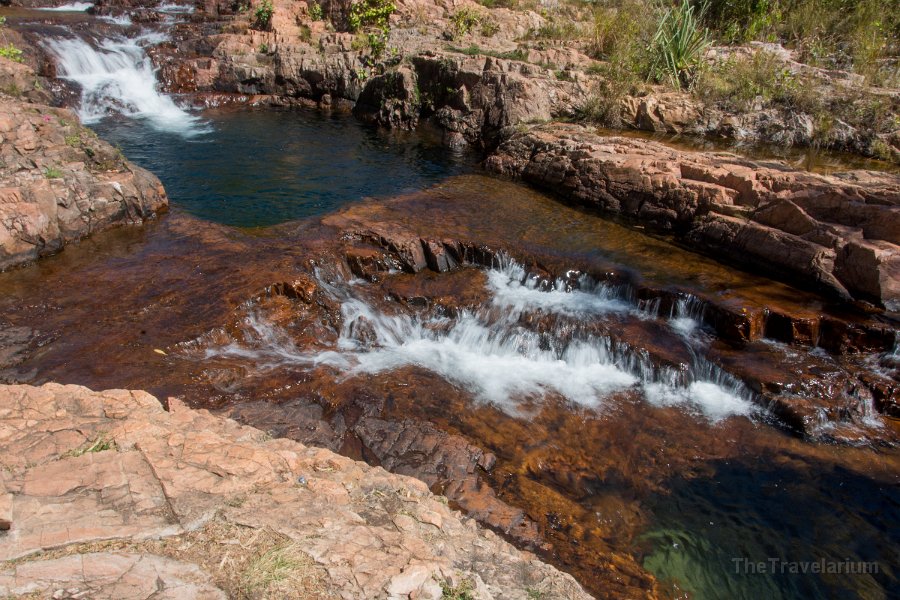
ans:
(837, 233)
(108, 495)
(58, 181)
(472, 68)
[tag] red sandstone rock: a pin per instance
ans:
(59, 182)
(836, 233)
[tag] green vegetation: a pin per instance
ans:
(99, 444)
(464, 21)
(467, 20)
(863, 35)
(52, 173)
(739, 82)
(557, 29)
(678, 46)
(263, 14)
(370, 13)
(463, 591)
(9, 50)
(315, 11)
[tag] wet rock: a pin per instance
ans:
(447, 464)
(439, 255)
(302, 288)
(837, 234)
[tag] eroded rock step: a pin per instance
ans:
(747, 332)
(837, 233)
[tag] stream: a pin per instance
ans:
(630, 437)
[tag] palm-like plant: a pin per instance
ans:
(679, 45)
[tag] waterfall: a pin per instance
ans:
(117, 76)
(489, 351)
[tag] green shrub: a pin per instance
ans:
(489, 27)
(838, 34)
(678, 47)
(315, 11)
(553, 29)
(463, 21)
(463, 591)
(742, 20)
(11, 52)
(739, 82)
(263, 14)
(370, 13)
(620, 38)
(52, 173)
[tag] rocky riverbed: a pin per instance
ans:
(562, 379)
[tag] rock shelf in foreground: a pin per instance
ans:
(109, 495)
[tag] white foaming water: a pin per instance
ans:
(513, 289)
(119, 77)
(175, 8)
(687, 316)
(489, 353)
(123, 20)
(72, 7)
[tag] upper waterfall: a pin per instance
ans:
(117, 76)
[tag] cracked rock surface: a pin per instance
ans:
(108, 495)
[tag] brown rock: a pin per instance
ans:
(835, 233)
(59, 183)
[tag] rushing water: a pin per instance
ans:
(722, 497)
(489, 352)
(117, 77)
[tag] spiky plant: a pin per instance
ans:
(678, 46)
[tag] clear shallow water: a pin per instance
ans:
(707, 530)
(263, 167)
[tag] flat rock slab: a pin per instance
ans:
(101, 575)
(81, 469)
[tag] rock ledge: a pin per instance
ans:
(104, 493)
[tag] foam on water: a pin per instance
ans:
(490, 353)
(71, 7)
(123, 20)
(118, 77)
(514, 289)
(175, 8)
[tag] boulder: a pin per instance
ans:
(60, 183)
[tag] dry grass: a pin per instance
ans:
(246, 563)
